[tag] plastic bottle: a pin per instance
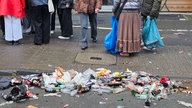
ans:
(120, 99)
(61, 86)
(101, 89)
(71, 86)
(141, 96)
(65, 90)
(74, 92)
(118, 90)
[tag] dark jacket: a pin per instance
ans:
(63, 3)
(39, 2)
(151, 8)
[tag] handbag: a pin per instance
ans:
(119, 9)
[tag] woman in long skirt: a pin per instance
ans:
(129, 39)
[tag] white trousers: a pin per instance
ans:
(13, 30)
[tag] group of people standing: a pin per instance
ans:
(129, 34)
(13, 11)
(43, 20)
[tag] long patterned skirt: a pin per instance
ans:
(129, 39)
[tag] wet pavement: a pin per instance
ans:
(174, 60)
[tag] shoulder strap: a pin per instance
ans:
(124, 3)
(121, 8)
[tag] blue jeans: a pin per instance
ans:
(84, 28)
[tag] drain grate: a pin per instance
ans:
(95, 58)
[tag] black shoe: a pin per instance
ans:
(84, 48)
(10, 42)
(37, 44)
(16, 42)
(94, 40)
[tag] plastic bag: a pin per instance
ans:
(16, 94)
(150, 34)
(5, 82)
(111, 38)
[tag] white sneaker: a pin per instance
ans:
(62, 37)
(142, 43)
(52, 32)
(145, 48)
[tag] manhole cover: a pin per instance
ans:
(96, 58)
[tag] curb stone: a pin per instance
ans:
(21, 72)
(28, 72)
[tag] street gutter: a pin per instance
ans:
(29, 72)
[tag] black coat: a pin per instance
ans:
(63, 3)
(151, 8)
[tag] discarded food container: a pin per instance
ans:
(120, 106)
(102, 103)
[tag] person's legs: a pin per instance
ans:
(53, 16)
(60, 15)
(17, 29)
(45, 24)
(37, 10)
(8, 28)
(2, 24)
(31, 17)
(67, 23)
(53, 21)
(26, 22)
(93, 24)
(84, 30)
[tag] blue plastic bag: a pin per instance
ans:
(150, 34)
(111, 38)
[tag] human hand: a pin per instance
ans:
(151, 17)
(75, 12)
(97, 10)
(140, 13)
(67, 5)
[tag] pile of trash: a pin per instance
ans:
(141, 84)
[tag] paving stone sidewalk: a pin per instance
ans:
(174, 60)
